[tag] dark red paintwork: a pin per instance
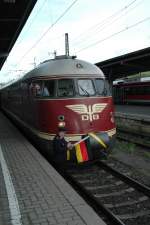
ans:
(49, 110)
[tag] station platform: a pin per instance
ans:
(31, 190)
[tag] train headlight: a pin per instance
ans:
(61, 124)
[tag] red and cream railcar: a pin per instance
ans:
(132, 92)
(61, 92)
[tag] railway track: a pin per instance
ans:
(134, 138)
(133, 172)
(117, 198)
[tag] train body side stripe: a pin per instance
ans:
(50, 136)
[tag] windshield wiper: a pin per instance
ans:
(104, 92)
(85, 91)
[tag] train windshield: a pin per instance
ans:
(102, 87)
(65, 88)
(86, 87)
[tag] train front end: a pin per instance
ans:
(79, 99)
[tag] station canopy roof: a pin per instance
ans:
(125, 65)
(13, 16)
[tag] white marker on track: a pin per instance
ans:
(12, 198)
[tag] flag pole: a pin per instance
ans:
(81, 140)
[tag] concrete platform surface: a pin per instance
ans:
(31, 191)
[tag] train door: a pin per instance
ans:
(25, 100)
(35, 90)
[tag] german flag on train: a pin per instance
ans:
(81, 151)
(89, 147)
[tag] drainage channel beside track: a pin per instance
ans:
(117, 198)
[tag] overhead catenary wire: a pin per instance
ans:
(32, 21)
(105, 21)
(101, 28)
(49, 28)
(114, 34)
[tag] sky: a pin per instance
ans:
(98, 30)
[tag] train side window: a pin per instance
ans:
(65, 88)
(130, 91)
(141, 90)
(147, 90)
(24, 85)
(134, 90)
(49, 88)
(144, 90)
(86, 87)
(36, 88)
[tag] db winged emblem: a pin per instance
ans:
(88, 112)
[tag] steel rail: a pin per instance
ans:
(126, 179)
(91, 200)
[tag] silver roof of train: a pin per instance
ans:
(64, 67)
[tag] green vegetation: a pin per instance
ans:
(131, 147)
(147, 154)
(125, 147)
